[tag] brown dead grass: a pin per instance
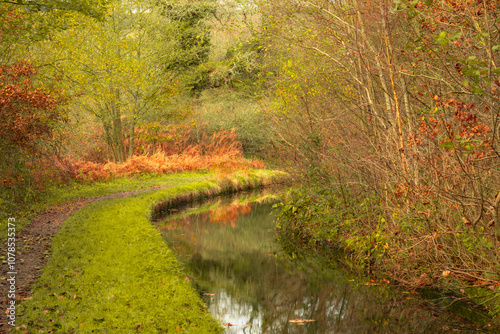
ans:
(221, 151)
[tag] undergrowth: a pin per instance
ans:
(220, 150)
(407, 249)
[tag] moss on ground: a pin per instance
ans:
(65, 193)
(110, 271)
(137, 182)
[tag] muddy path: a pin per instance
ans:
(33, 245)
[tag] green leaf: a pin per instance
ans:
(477, 90)
(441, 39)
(447, 145)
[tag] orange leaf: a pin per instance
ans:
(301, 321)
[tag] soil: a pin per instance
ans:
(33, 248)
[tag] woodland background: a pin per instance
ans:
(387, 110)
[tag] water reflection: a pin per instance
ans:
(228, 247)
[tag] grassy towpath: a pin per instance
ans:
(111, 272)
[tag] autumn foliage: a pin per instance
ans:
(389, 115)
(220, 151)
(28, 115)
(30, 122)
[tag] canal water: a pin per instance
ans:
(228, 247)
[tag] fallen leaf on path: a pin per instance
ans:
(301, 321)
(372, 282)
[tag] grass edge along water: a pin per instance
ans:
(110, 271)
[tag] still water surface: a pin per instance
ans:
(228, 247)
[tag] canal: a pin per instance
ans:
(229, 249)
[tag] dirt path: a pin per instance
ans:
(33, 247)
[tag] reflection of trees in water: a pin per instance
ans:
(228, 214)
(265, 293)
(223, 215)
(293, 300)
(233, 261)
(186, 236)
(339, 308)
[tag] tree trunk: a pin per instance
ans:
(131, 137)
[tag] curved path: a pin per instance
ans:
(33, 246)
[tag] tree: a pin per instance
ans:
(188, 33)
(124, 68)
(30, 119)
(398, 101)
(31, 114)
(91, 8)
(28, 116)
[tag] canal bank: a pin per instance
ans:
(409, 251)
(111, 271)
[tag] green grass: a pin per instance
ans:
(65, 193)
(137, 182)
(110, 271)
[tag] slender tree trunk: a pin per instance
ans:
(117, 128)
(109, 139)
(379, 68)
(131, 137)
(399, 128)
